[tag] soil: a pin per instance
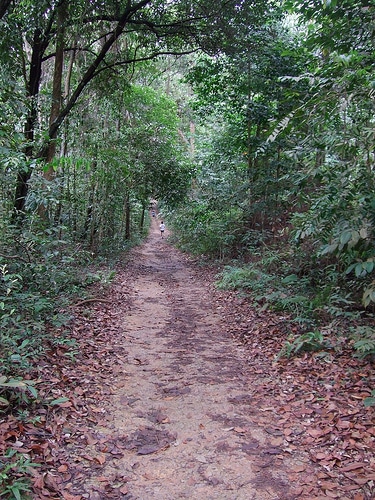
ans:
(182, 408)
(170, 403)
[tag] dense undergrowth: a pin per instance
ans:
(320, 295)
(41, 274)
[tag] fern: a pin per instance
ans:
(309, 341)
(364, 341)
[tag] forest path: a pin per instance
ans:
(181, 412)
(167, 388)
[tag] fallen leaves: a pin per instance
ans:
(317, 405)
(311, 410)
(60, 432)
(147, 440)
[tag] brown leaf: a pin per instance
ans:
(314, 432)
(51, 482)
(328, 486)
(148, 449)
(361, 481)
(333, 494)
(240, 430)
(100, 459)
(343, 424)
(90, 439)
(62, 468)
(349, 487)
(299, 468)
(39, 481)
(353, 466)
(68, 496)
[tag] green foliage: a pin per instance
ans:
(14, 468)
(285, 143)
(241, 278)
(264, 282)
(206, 231)
(369, 295)
(287, 281)
(15, 391)
(364, 341)
(35, 286)
(370, 401)
(362, 268)
(307, 342)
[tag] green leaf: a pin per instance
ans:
(369, 266)
(24, 344)
(14, 383)
(32, 391)
(296, 299)
(289, 279)
(329, 249)
(358, 269)
(58, 401)
(350, 268)
(345, 237)
(354, 239)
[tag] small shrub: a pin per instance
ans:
(309, 341)
(239, 278)
(364, 341)
(15, 391)
(14, 468)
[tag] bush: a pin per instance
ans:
(36, 284)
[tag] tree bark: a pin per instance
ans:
(142, 223)
(32, 85)
(4, 4)
(127, 217)
(49, 174)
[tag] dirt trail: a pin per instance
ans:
(181, 410)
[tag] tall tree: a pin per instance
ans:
(115, 36)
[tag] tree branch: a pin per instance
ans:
(146, 58)
(126, 19)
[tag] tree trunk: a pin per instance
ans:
(141, 225)
(89, 210)
(32, 85)
(39, 46)
(127, 217)
(4, 4)
(49, 174)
